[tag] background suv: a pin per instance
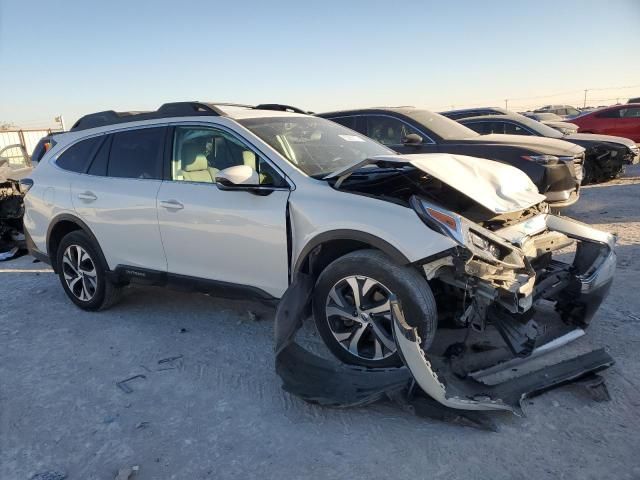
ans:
(553, 165)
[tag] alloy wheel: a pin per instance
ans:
(79, 272)
(359, 316)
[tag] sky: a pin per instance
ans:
(71, 57)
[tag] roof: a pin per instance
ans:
(401, 110)
(185, 109)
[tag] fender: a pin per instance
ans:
(356, 235)
(83, 226)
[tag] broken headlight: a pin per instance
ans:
(478, 240)
(486, 245)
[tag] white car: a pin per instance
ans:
(239, 201)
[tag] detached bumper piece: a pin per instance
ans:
(435, 386)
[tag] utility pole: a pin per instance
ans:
(506, 104)
(60, 120)
(584, 105)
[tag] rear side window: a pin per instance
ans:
(480, 127)
(615, 113)
(137, 154)
(76, 158)
(630, 112)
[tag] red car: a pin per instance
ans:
(619, 120)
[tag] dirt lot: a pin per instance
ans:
(219, 412)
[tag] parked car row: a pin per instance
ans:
(555, 167)
(605, 155)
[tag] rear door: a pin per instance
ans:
(115, 195)
(229, 236)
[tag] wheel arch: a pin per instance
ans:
(326, 247)
(62, 225)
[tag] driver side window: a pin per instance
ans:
(388, 131)
(199, 153)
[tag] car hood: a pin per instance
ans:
(498, 187)
(600, 138)
(549, 146)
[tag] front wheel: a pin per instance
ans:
(352, 310)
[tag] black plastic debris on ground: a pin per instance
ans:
(320, 381)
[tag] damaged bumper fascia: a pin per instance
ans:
(512, 281)
(12, 240)
(578, 290)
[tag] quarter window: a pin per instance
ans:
(76, 158)
(101, 159)
(387, 130)
(137, 154)
(349, 122)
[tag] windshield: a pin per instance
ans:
(440, 125)
(314, 145)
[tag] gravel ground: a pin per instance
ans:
(219, 412)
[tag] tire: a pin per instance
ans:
(85, 282)
(340, 323)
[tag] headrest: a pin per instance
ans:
(199, 163)
(249, 159)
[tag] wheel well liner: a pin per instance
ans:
(335, 243)
(62, 225)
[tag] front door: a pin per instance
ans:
(235, 237)
(391, 131)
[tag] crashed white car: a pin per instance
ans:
(14, 165)
(435, 262)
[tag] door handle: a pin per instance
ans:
(171, 204)
(87, 196)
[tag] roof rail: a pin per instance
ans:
(174, 109)
(281, 108)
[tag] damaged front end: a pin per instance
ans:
(514, 296)
(12, 240)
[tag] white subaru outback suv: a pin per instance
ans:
(239, 200)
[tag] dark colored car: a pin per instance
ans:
(620, 120)
(553, 165)
(551, 119)
(605, 156)
(43, 146)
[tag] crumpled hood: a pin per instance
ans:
(496, 186)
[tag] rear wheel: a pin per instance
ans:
(82, 272)
(352, 311)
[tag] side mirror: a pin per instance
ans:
(412, 139)
(237, 176)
